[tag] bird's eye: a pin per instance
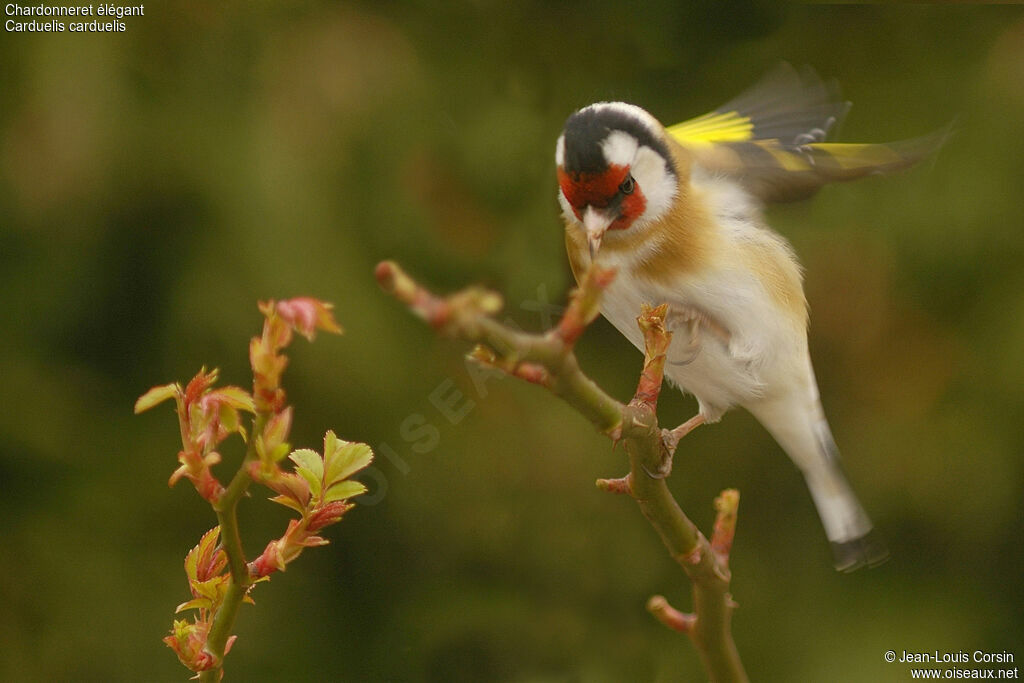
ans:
(627, 185)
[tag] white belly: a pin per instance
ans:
(719, 373)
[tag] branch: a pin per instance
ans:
(231, 539)
(544, 359)
(549, 360)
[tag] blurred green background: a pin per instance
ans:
(156, 183)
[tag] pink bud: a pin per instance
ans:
(307, 315)
(199, 385)
(328, 514)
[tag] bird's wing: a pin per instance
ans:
(772, 139)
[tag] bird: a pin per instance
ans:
(678, 212)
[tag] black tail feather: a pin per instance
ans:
(866, 551)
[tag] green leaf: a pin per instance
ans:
(276, 430)
(289, 502)
(197, 603)
(331, 442)
(314, 541)
(310, 459)
(345, 459)
(280, 452)
(202, 554)
(229, 419)
(292, 486)
(213, 590)
(271, 455)
(236, 397)
(310, 466)
(156, 396)
(344, 490)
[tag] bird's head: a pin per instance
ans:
(615, 171)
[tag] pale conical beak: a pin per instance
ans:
(595, 223)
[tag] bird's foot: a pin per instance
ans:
(695, 322)
(689, 320)
(695, 318)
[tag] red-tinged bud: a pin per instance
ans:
(220, 413)
(385, 274)
(257, 356)
(269, 561)
(726, 506)
(328, 514)
(207, 486)
(177, 474)
(211, 567)
(211, 432)
(206, 559)
(276, 430)
(622, 486)
(266, 363)
(300, 314)
(277, 333)
(291, 486)
(271, 445)
(533, 373)
(267, 367)
(307, 315)
(188, 640)
(197, 470)
(199, 385)
(260, 567)
(670, 616)
(269, 400)
(260, 471)
(393, 280)
(483, 355)
(313, 541)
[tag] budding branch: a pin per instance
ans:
(549, 360)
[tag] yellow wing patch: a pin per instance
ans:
(730, 126)
(772, 139)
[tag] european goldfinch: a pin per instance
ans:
(678, 212)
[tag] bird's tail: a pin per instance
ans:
(854, 543)
(810, 445)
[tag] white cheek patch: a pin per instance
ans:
(560, 151)
(658, 184)
(619, 148)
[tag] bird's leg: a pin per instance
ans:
(678, 317)
(696, 321)
(685, 428)
(669, 441)
(693, 329)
